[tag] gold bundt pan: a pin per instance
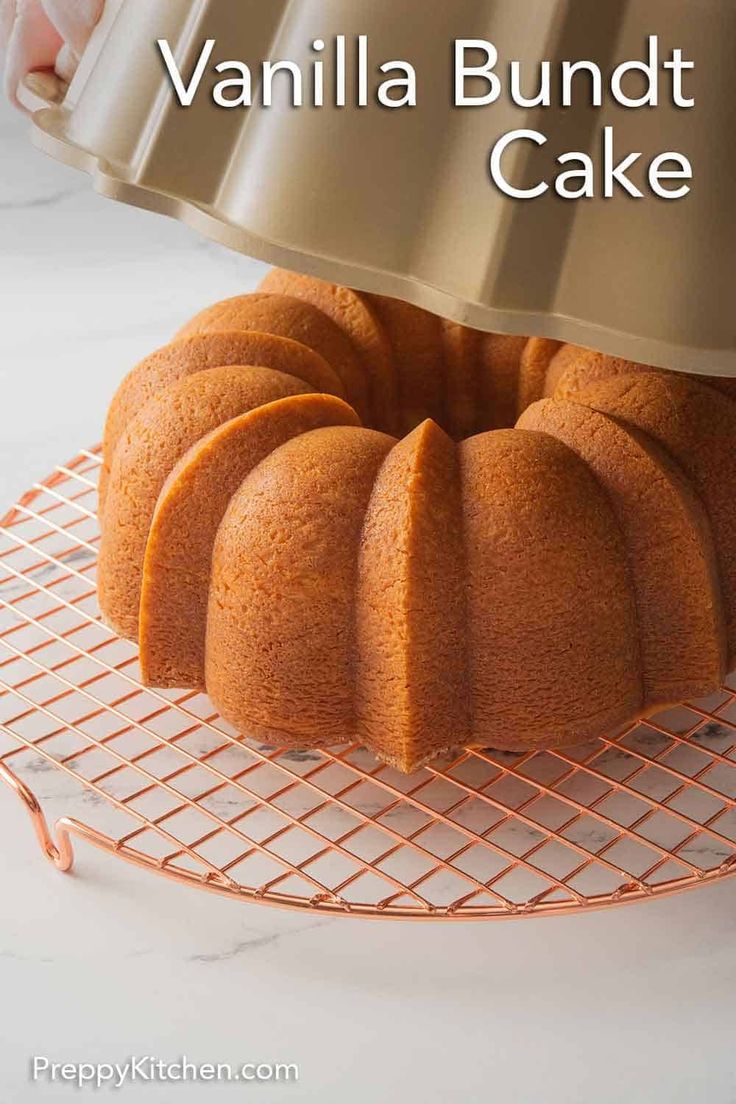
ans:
(400, 202)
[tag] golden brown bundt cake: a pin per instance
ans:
(415, 337)
(572, 367)
(188, 355)
(354, 315)
(498, 380)
(189, 510)
(288, 317)
(151, 445)
(323, 581)
(281, 657)
(553, 649)
(562, 370)
(680, 625)
(411, 685)
(534, 366)
(696, 426)
(462, 384)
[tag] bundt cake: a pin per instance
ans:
(347, 519)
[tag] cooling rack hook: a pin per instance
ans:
(61, 854)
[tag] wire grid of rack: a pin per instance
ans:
(171, 787)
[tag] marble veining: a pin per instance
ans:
(54, 199)
(257, 941)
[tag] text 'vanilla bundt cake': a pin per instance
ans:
(315, 508)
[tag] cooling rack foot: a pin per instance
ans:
(60, 853)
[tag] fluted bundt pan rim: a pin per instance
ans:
(330, 191)
(49, 137)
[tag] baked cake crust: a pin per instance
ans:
(319, 506)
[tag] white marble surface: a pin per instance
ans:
(634, 1004)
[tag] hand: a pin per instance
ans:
(42, 41)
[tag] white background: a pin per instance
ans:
(637, 1004)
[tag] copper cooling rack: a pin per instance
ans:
(165, 783)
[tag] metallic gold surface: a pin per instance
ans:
(400, 202)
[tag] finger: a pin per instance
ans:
(66, 62)
(7, 19)
(34, 44)
(74, 20)
(46, 86)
